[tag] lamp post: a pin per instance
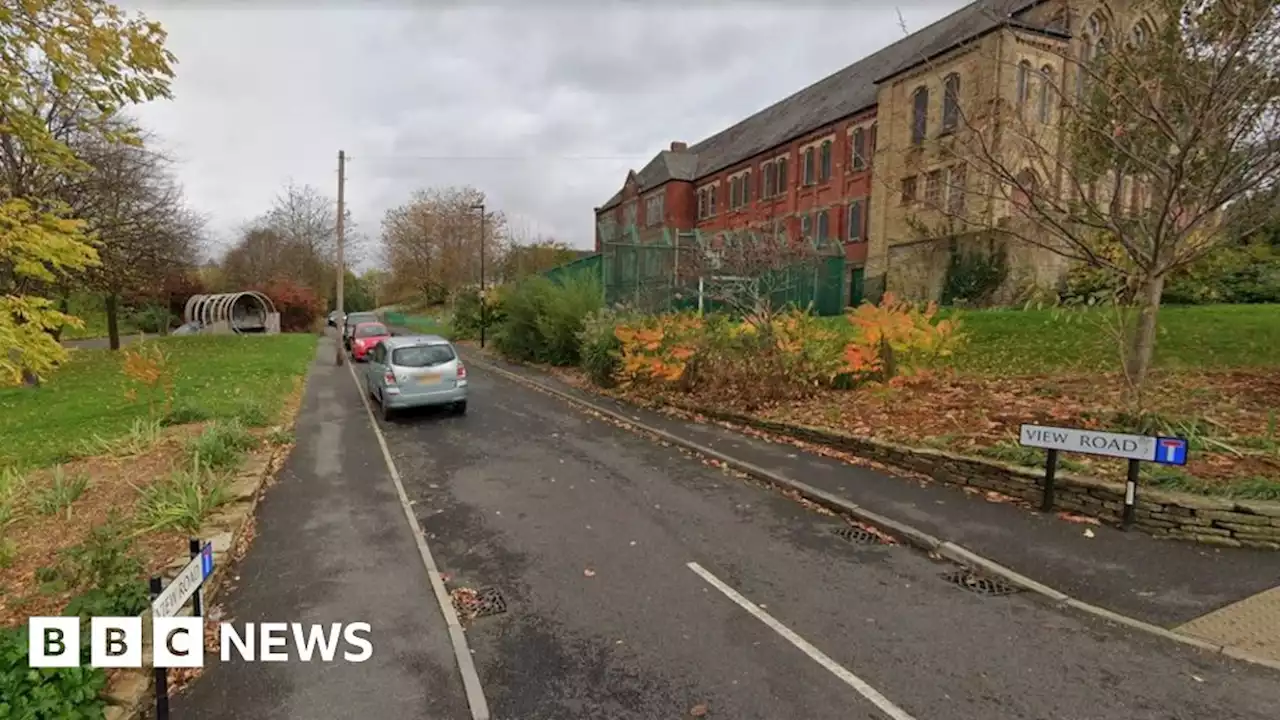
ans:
(484, 321)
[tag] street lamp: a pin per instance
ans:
(483, 313)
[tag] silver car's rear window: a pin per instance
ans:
(422, 356)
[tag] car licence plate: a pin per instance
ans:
(431, 379)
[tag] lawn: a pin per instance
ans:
(214, 377)
(1028, 342)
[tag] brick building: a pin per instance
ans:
(852, 157)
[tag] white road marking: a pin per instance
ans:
(466, 665)
(853, 681)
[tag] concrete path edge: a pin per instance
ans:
(915, 537)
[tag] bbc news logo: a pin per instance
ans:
(116, 642)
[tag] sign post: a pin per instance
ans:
(1134, 448)
(167, 601)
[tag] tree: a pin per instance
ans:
(523, 255)
(1137, 153)
(111, 59)
(305, 217)
(137, 213)
(263, 255)
(432, 243)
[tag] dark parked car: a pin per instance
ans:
(354, 319)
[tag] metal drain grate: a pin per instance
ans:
(857, 535)
(480, 603)
(980, 584)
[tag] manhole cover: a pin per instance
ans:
(857, 535)
(980, 584)
(473, 604)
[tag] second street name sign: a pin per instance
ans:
(1091, 442)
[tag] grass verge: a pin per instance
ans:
(84, 407)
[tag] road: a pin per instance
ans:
(643, 583)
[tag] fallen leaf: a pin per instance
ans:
(589, 572)
(1080, 519)
(699, 710)
(1088, 533)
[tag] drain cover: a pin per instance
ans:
(479, 603)
(857, 535)
(980, 584)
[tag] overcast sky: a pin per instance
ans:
(542, 105)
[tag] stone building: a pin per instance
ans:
(874, 156)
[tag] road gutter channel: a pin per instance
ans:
(917, 538)
(457, 636)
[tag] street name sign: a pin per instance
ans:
(1134, 448)
(185, 584)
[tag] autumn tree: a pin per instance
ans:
(432, 243)
(94, 50)
(524, 253)
(306, 218)
(263, 255)
(1135, 150)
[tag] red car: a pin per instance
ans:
(365, 337)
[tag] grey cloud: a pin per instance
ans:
(543, 106)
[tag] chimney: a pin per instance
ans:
(677, 146)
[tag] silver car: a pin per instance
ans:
(411, 371)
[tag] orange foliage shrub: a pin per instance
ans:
(898, 338)
(147, 369)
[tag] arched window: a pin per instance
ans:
(824, 165)
(1024, 83)
(951, 102)
(1046, 89)
(858, 149)
(919, 115)
(1141, 33)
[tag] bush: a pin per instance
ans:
(153, 319)
(465, 323)
(542, 319)
(46, 693)
(297, 304)
(600, 348)
(973, 277)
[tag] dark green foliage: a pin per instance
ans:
(153, 319)
(600, 349)
(972, 277)
(46, 693)
(106, 573)
(543, 319)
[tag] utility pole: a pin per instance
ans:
(484, 320)
(342, 263)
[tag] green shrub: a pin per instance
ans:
(61, 493)
(46, 693)
(542, 319)
(184, 499)
(465, 322)
(106, 574)
(601, 351)
(152, 319)
(973, 277)
(185, 414)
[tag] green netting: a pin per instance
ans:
(588, 265)
(665, 270)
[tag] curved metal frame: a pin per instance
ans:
(209, 309)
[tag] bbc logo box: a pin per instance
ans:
(115, 642)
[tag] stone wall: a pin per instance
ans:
(918, 270)
(1213, 521)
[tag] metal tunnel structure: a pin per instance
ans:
(239, 312)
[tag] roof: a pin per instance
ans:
(842, 94)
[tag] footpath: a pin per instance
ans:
(1222, 596)
(333, 546)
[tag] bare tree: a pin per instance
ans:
(263, 255)
(432, 243)
(307, 217)
(1135, 152)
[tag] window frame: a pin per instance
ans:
(810, 172)
(1044, 112)
(920, 115)
(951, 103)
(856, 231)
(824, 226)
(910, 190)
(858, 149)
(1023, 88)
(824, 161)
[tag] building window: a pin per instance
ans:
(951, 103)
(1024, 81)
(808, 166)
(858, 152)
(1046, 78)
(768, 179)
(908, 190)
(712, 192)
(806, 227)
(781, 165)
(824, 226)
(855, 221)
(1140, 34)
(956, 193)
(746, 188)
(631, 210)
(702, 203)
(825, 170)
(653, 210)
(919, 115)
(871, 142)
(933, 189)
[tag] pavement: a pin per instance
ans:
(332, 545)
(99, 343)
(641, 582)
(1162, 582)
